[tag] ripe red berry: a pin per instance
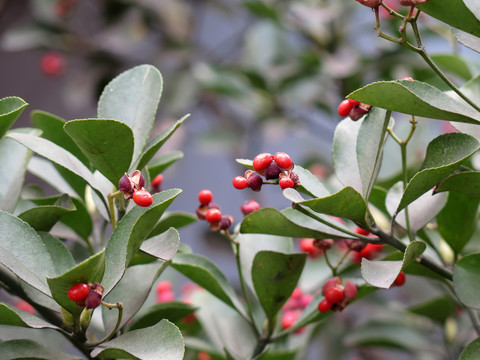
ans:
(157, 180)
(283, 160)
(142, 198)
(324, 306)
(353, 102)
(52, 64)
(249, 206)
(205, 197)
(261, 161)
(286, 182)
(213, 215)
(239, 182)
(289, 318)
(306, 245)
(334, 295)
(400, 280)
(350, 290)
(362, 231)
(203, 356)
(165, 296)
(344, 108)
(78, 292)
(164, 286)
(333, 282)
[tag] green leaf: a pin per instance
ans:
(416, 98)
(132, 98)
(288, 222)
(205, 273)
(90, 270)
(467, 183)
(131, 292)
(29, 349)
(23, 252)
(42, 218)
(10, 109)
(457, 13)
(471, 351)
(13, 164)
(262, 10)
(175, 219)
(274, 277)
(108, 144)
(470, 41)
(162, 341)
(309, 183)
(162, 162)
(444, 154)
(172, 311)
(347, 203)
(454, 64)
(466, 278)
(438, 309)
(382, 274)
(163, 246)
(457, 221)
(153, 146)
(129, 234)
(62, 259)
(15, 317)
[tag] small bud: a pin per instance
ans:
(94, 297)
(85, 318)
(255, 182)
(225, 222)
(356, 113)
(323, 244)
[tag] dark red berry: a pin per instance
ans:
(225, 222)
(283, 160)
(324, 306)
(273, 171)
(142, 198)
(356, 113)
(400, 280)
(350, 290)
(255, 182)
(205, 197)
(53, 64)
(157, 181)
(94, 297)
(334, 295)
(261, 161)
(78, 292)
(249, 207)
(239, 182)
(124, 185)
(289, 318)
(286, 182)
(344, 108)
(213, 215)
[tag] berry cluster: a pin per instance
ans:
(132, 187)
(337, 295)
(293, 307)
(276, 167)
(353, 109)
(86, 295)
(313, 247)
(207, 210)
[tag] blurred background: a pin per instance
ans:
(256, 76)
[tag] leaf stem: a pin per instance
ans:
(119, 306)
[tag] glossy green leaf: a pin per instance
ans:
(62, 259)
(382, 274)
(309, 183)
(13, 164)
(416, 98)
(131, 292)
(89, 270)
(444, 154)
(162, 341)
(466, 278)
(471, 351)
(163, 246)
(110, 154)
(347, 203)
(437, 309)
(42, 218)
(153, 146)
(132, 98)
(288, 222)
(467, 39)
(453, 64)
(457, 13)
(10, 109)
(205, 273)
(10, 315)
(161, 162)
(175, 219)
(129, 234)
(458, 220)
(172, 311)
(29, 349)
(467, 183)
(275, 276)
(23, 252)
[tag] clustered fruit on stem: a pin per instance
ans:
(353, 109)
(132, 187)
(209, 211)
(85, 295)
(337, 296)
(276, 167)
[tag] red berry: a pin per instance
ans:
(400, 280)
(334, 295)
(249, 207)
(261, 161)
(305, 300)
(333, 282)
(324, 306)
(306, 245)
(52, 64)
(164, 286)
(297, 293)
(362, 232)
(25, 306)
(157, 180)
(142, 198)
(239, 182)
(203, 356)
(353, 102)
(205, 197)
(78, 292)
(213, 215)
(289, 318)
(165, 296)
(286, 182)
(283, 160)
(350, 290)
(344, 108)
(408, 78)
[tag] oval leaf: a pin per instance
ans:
(466, 278)
(28, 349)
(467, 183)
(163, 246)
(471, 351)
(10, 109)
(172, 311)
(15, 317)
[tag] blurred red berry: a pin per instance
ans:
(306, 245)
(324, 306)
(203, 356)
(334, 295)
(25, 306)
(362, 231)
(408, 78)
(289, 318)
(157, 181)
(164, 286)
(53, 64)
(249, 206)
(165, 296)
(205, 197)
(400, 280)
